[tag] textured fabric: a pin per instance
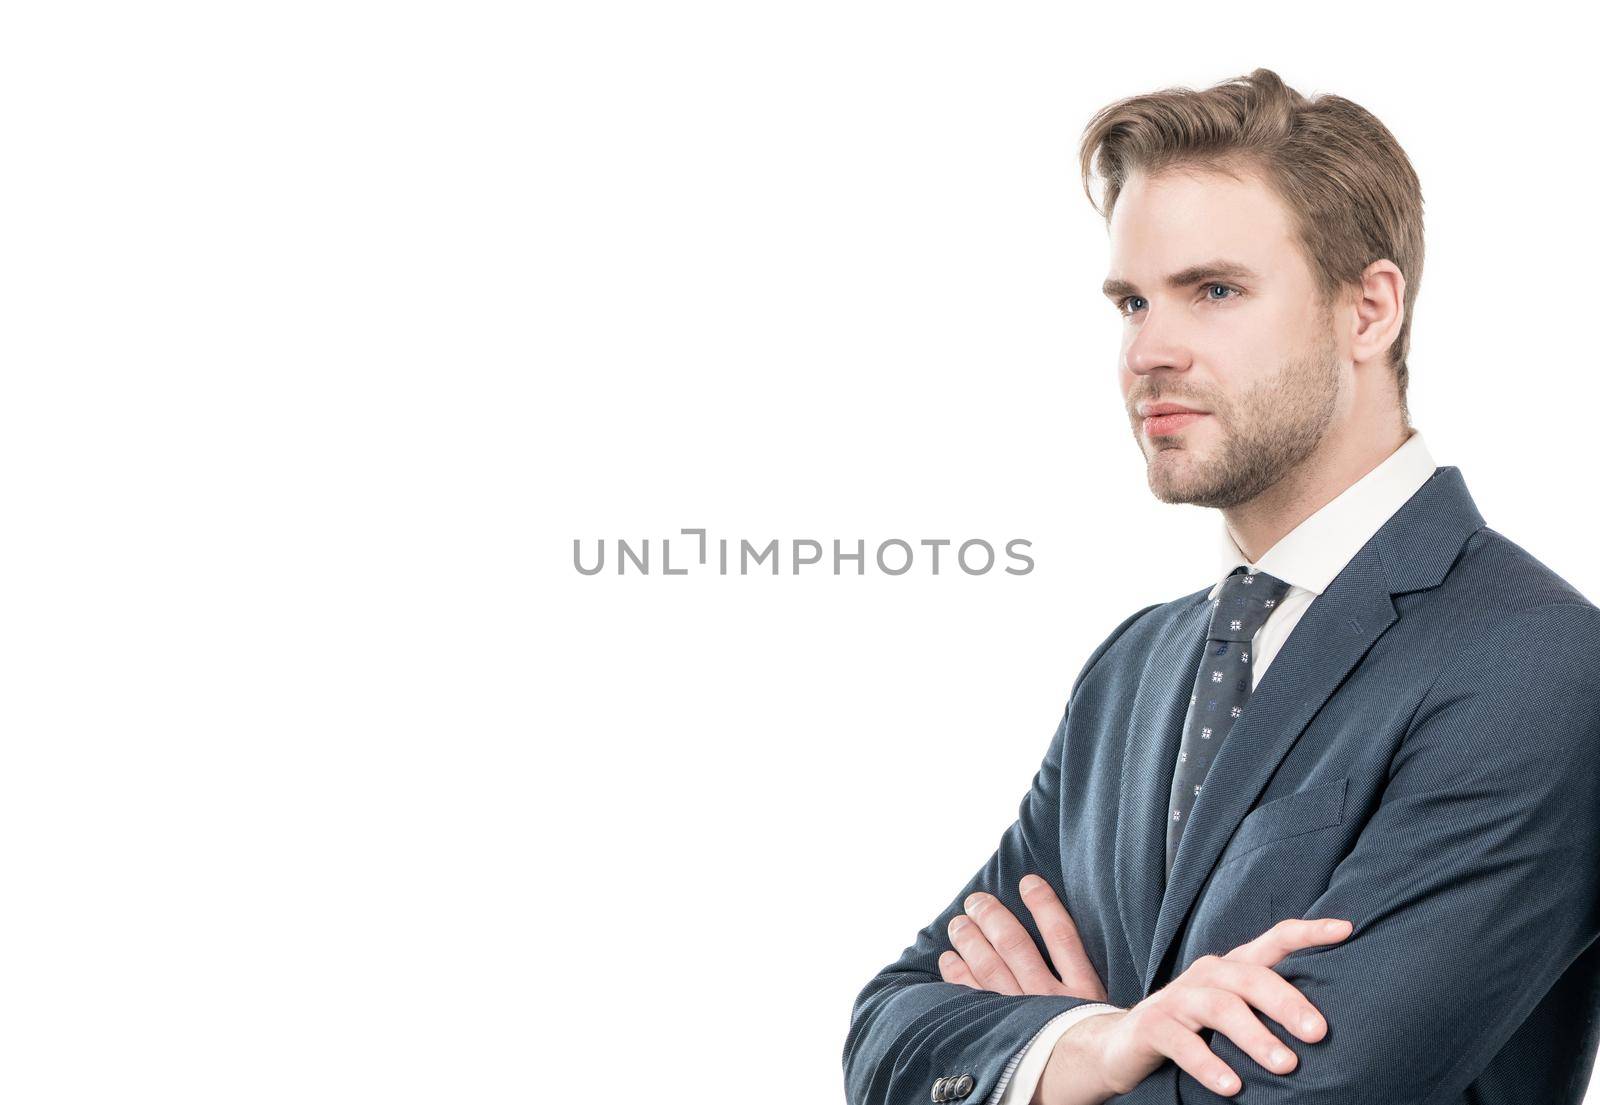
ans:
(1423, 761)
(1222, 686)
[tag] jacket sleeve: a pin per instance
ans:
(908, 1028)
(1472, 887)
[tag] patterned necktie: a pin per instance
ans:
(1221, 687)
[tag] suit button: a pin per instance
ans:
(963, 1085)
(938, 1089)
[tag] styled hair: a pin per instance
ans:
(1348, 185)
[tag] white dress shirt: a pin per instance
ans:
(1306, 558)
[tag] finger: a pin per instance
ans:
(1015, 947)
(952, 968)
(1291, 935)
(1225, 1011)
(1263, 988)
(1184, 1047)
(1061, 939)
(985, 965)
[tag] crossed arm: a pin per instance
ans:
(993, 951)
(1473, 886)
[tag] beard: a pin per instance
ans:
(1265, 433)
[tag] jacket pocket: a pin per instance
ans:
(1304, 811)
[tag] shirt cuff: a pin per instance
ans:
(1021, 1075)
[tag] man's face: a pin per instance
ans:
(1221, 315)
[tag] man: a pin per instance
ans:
(1377, 883)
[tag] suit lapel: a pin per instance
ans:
(1411, 551)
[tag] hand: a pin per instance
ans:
(1215, 992)
(994, 952)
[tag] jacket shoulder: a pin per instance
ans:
(1498, 575)
(1134, 632)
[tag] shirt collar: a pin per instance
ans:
(1311, 554)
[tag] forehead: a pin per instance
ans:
(1180, 217)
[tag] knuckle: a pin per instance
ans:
(1307, 931)
(1149, 1026)
(1169, 999)
(1216, 1004)
(1014, 942)
(1164, 1030)
(1235, 974)
(1062, 934)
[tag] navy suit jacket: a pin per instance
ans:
(1422, 758)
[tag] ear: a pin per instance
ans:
(1379, 311)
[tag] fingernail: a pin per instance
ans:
(1309, 1025)
(972, 903)
(1031, 883)
(958, 922)
(1279, 1057)
(1225, 1082)
(1335, 925)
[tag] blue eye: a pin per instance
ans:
(1125, 304)
(1223, 287)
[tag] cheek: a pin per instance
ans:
(1234, 351)
(1248, 327)
(1262, 340)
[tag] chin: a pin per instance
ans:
(1172, 477)
(1168, 492)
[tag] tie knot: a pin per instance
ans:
(1244, 604)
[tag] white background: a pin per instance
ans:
(330, 326)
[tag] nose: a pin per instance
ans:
(1155, 346)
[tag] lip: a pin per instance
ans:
(1161, 425)
(1148, 409)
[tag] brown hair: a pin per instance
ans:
(1347, 183)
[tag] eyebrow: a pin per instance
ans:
(1194, 274)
